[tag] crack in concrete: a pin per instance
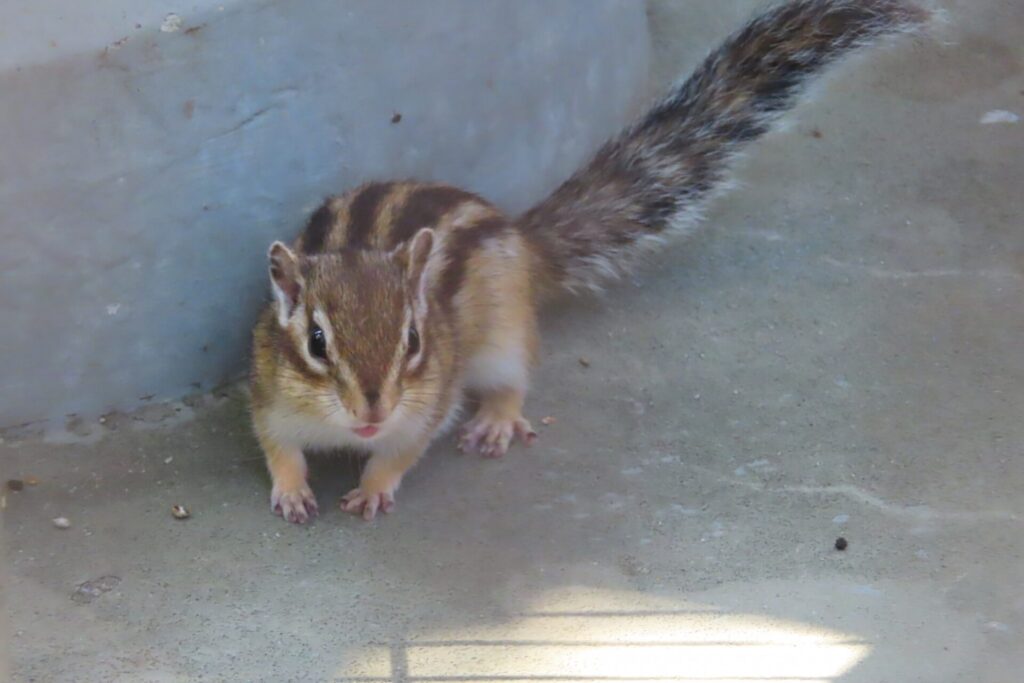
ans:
(893, 274)
(859, 495)
(244, 123)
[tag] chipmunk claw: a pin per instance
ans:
(492, 437)
(298, 506)
(366, 505)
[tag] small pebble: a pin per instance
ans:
(171, 23)
(61, 522)
(585, 362)
(168, 460)
(841, 543)
(180, 512)
(32, 481)
(15, 484)
(548, 420)
(396, 117)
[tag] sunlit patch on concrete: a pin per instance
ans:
(626, 639)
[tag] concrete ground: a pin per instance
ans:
(838, 354)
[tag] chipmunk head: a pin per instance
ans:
(356, 331)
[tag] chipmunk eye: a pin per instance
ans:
(414, 341)
(317, 343)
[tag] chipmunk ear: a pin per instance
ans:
(419, 251)
(286, 279)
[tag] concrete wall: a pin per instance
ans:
(149, 160)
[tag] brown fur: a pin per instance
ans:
(367, 272)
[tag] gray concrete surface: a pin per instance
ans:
(838, 354)
(148, 162)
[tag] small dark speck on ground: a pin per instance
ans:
(816, 134)
(841, 543)
(15, 484)
(396, 117)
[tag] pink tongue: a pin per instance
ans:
(367, 431)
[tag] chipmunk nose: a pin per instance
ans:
(377, 412)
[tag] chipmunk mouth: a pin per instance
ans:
(367, 431)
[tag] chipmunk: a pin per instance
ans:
(400, 297)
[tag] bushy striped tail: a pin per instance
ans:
(657, 176)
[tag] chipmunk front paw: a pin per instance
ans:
(490, 436)
(366, 502)
(296, 505)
